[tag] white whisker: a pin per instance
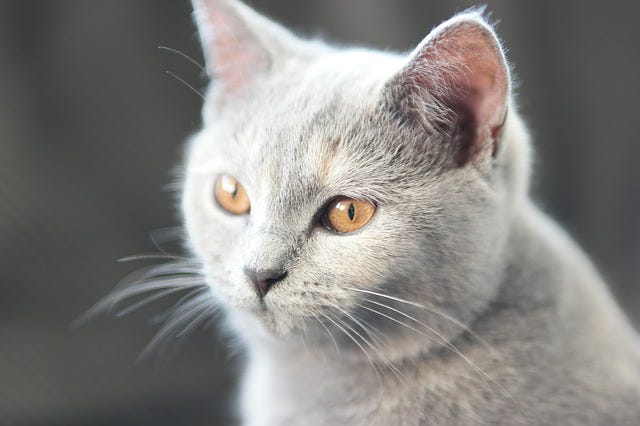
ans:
(485, 377)
(184, 55)
(192, 293)
(366, 354)
(193, 89)
(147, 300)
(371, 331)
(183, 314)
(432, 310)
(207, 312)
(149, 256)
(371, 334)
(328, 333)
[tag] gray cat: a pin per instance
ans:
(363, 220)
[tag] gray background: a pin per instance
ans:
(90, 128)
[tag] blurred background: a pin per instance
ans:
(91, 127)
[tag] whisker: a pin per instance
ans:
(184, 55)
(192, 293)
(144, 287)
(377, 350)
(372, 332)
(444, 339)
(485, 377)
(153, 236)
(150, 256)
(328, 333)
(169, 269)
(432, 310)
(184, 304)
(196, 321)
(147, 300)
(185, 313)
(366, 354)
(304, 341)
(108, 303)
(166, 234)
(185, 83)
(396, 321)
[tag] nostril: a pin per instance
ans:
(275, 279)
(264, 279)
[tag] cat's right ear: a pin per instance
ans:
(239, 44)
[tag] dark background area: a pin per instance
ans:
(91, 127)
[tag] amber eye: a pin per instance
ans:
(345, 214)
(231, 195)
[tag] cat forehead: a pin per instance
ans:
(309, 154)
(299, 88)
(307, 121)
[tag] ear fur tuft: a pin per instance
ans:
(457, 80)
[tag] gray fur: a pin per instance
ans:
(459, 303)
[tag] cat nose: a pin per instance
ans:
(264, 279)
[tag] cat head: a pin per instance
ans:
(341, 189)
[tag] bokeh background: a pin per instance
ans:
(91, 127)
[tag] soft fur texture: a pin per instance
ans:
(459, 303)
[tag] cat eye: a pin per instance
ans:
(344, 214)
(231, 196)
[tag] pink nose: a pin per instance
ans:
(264, 279)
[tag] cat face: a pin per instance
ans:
(410, 144)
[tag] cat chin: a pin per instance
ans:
(268, 319)
(257, 323)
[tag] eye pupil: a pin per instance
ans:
(231, 196)
(345, 214)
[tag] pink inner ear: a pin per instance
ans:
(474, 63)
(487, 85)
(235, 60)
(233, 53)
(461, 64)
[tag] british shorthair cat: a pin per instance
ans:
(362, 219)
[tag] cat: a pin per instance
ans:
(363, 220)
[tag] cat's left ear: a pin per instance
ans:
(457, 82)
(239, 44)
